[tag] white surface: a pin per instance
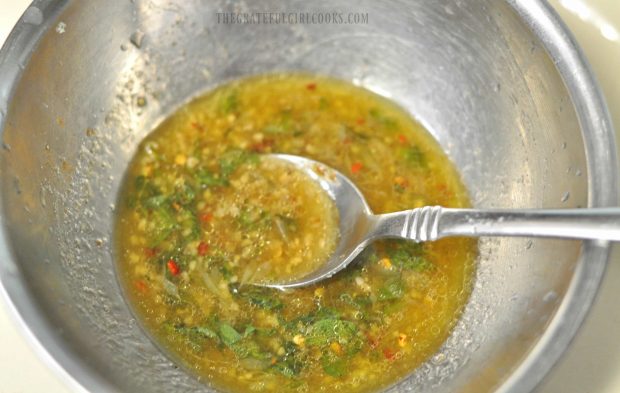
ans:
(592, 364)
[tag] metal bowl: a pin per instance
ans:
(501, 85)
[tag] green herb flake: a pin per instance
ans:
(326, 331)
(284, 369)
(380, 118)
(233, 159)
(334, 366)
(155, 202)
(229, 335)
(194, 337)
(284, 125)
(252, 218)
(264, 298)
(230, 103)
(409, 256)
(206, 178)
(185, 194)
(249, 330)
(414, 157)
(292, 362)
(249, 349)
(165, 224)
(393, 289)
(204, 331)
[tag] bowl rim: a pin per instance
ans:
(600, 149)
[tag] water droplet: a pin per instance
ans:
(136, 39)
(33, 16)
(565, 196)
(550, 296)
(123, 47)
(578, 172)
(61, 28)
(497, 87)
(17, 186)
(439, 358)
(564, 145)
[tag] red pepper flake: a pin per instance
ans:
(262, 147)
(141, 286)
(150, 252)
(206, 218)
(356, 167)
(173, 267)
(197, 126)
(311, 86)
(360, 121)
(402, 139)
(389, 354)
(203, 248)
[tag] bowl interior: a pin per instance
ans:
(472, 72)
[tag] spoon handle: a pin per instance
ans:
(435, 222)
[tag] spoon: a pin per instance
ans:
(359, 227)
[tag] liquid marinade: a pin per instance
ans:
(204, 213)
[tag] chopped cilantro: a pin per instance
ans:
(230, 103)
(333, 365)
(326, 331)
(265, 298)
(393, 289)
(379, 117)
(410, 256)
(414, 156)
(228, 334)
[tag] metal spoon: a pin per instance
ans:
(359, 226)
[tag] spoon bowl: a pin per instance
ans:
(355, 218)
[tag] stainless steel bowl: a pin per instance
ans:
(501, 86)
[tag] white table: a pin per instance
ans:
(592, 364)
